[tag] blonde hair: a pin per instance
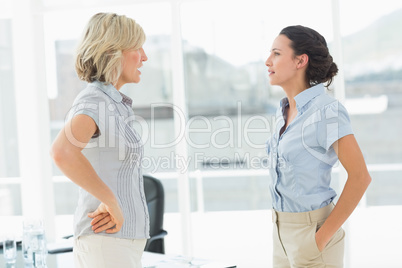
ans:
(105, 38)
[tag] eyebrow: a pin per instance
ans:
(275, 49)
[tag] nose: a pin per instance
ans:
(143, 55)
(268, 62)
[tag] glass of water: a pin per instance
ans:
(9, 248)
(34, 243)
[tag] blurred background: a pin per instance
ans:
(205, 109)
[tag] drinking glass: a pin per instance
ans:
(34, 243)
(9, 248)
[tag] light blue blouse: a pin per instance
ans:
(115, 153)
(301, 159)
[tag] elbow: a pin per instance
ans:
(52, 152)
(55, 154)
(58, 154)
(365, 179)
(361, 178)
(368, 179)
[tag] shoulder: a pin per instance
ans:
(91, 101)
(334, 121)
(323, 100)
(91, 94)
(329, 106)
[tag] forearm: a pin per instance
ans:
(352, 159)
(352, 193)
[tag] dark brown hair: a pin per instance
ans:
(321, 67)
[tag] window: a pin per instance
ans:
(230, 107)
(8, 136)
(10, 190)
(373, 74)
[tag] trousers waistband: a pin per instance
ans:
(303, 217)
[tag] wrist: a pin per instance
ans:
(112, 203)
(322, 238)
(108, 197)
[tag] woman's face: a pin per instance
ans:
(281, 63)
(132, 61)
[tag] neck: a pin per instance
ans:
(292, 91)
(118, 85)
(295, 85)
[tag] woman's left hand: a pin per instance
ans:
(102, 220)
(321, 243)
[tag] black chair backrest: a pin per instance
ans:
(155, 197)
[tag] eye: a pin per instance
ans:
(275, 52)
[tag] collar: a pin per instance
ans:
(307, 95)
(109, 90)
(126, 99)
(304, 97)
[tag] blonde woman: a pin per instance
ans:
(313, 131)
(99, 150)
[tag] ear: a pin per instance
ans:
(302, 61)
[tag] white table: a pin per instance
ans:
(149, 260)
(154, 260)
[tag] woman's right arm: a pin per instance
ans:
(66, 152)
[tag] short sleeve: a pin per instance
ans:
(86, 108)
(334, 124)
(89, 105)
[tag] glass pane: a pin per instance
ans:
(372, 52)
(60, 4)
(10, 200)
(385, 189)
(9, 161)
(246, 193)
(225, 55)
(6, 8)
(373, 75)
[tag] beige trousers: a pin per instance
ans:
(294, 240)
(98, 251)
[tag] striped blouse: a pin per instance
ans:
(115, 152)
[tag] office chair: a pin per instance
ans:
(155, 197)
